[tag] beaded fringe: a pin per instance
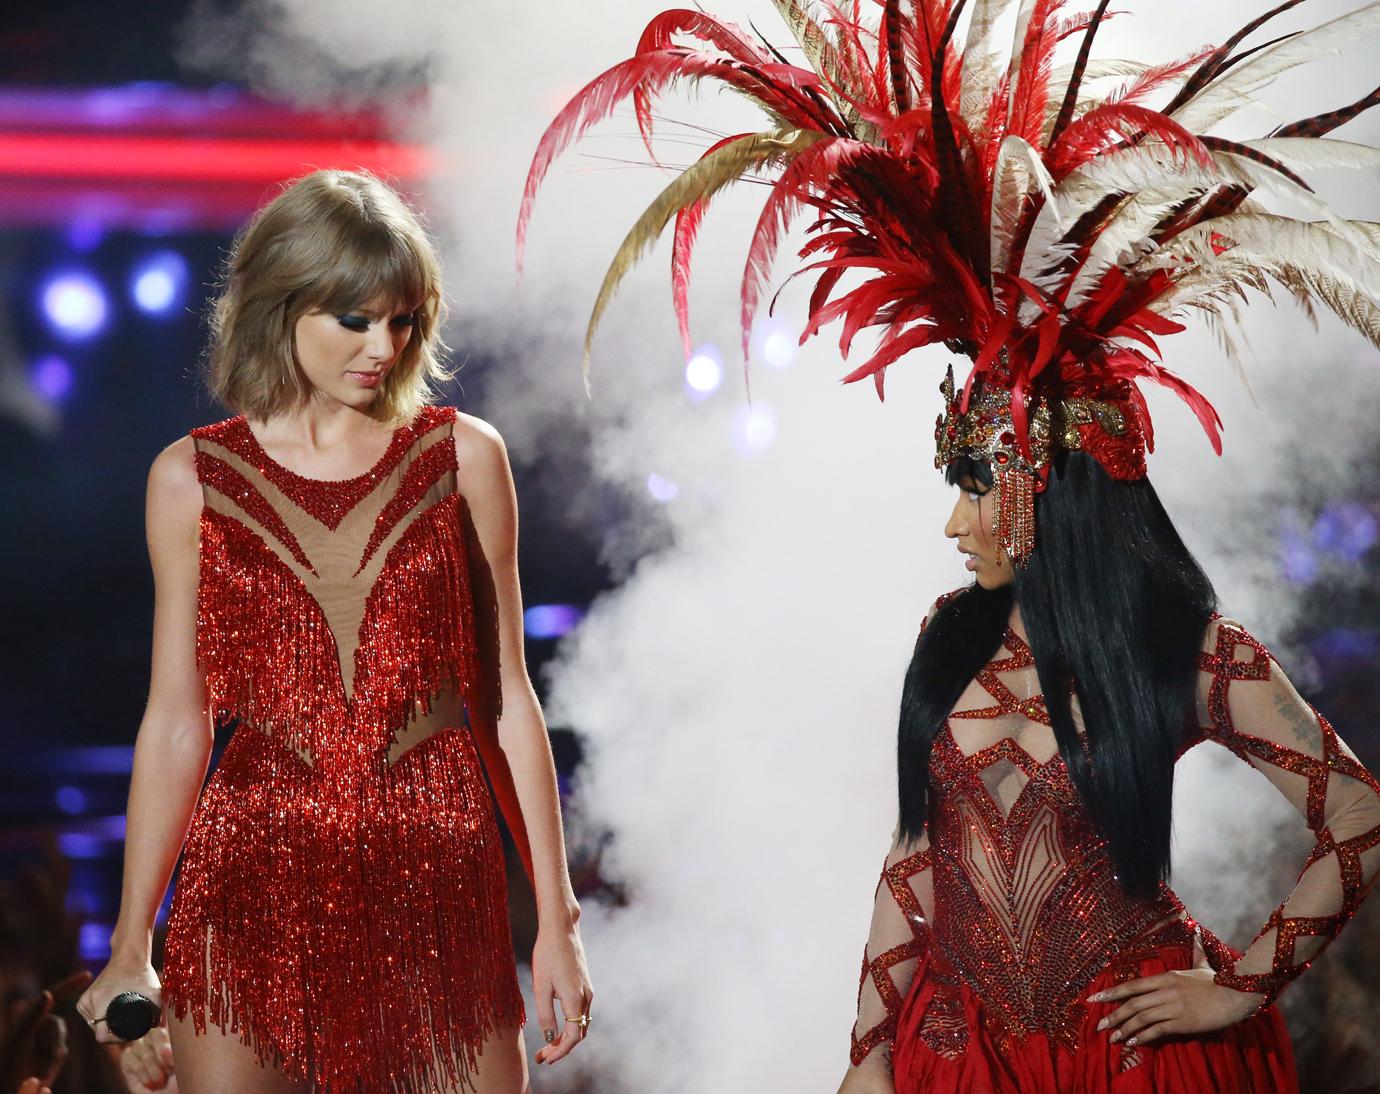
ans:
(1013, 519)
(348, 918)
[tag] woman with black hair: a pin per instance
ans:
(1051, 228)
(1023, 937)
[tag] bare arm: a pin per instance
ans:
(558, 968)
(175, 735)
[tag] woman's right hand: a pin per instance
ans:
(867, 1080)
(119, 975)
(148, 1063)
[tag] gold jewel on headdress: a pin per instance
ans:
(985, 432)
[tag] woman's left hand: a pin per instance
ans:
(1173, 1004)
(559, 976)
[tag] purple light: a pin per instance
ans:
(75, 305)
(1296, 558)
(1346, 644)
(93, 940)
(1346, 529)
(662, 489)
(71, 800)
(52, 378)
(775, 343)
(551, 620)
(158, 282)
(85, 234)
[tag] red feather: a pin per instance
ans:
(1032, 84)
(1118, 123)
(893, 349)
(660, 34)
(651, 72)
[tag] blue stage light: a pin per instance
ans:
(71, 800)
(93, 941)
(1346, 529)
(75, 305)
(551, 620)
(52, 378)
(159, 282)
(1297, 559)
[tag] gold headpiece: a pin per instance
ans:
(978, 423)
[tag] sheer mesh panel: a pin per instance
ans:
(1251, 708)
(336, 553)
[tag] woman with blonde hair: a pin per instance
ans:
(335, 571)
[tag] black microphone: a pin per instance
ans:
(130, 1015)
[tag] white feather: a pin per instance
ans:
(1228, 93)
(1119, 240)
(1266, 181)
(1317, 153)
(1018, 173)
(1018, 49)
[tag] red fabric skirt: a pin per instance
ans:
(1253, 1057)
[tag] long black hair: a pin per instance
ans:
(1115, 605)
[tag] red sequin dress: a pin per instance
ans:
(989, 934)
(342, 901)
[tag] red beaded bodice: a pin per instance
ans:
(1026, 904)
(1011, 894)
(335, 615)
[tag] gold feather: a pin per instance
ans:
(825, 59)
(697, 183)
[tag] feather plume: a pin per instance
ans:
(1228, 93)
(697, 184)
(1019, 173)
(988, 199)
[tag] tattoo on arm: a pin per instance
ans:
(1301, 719)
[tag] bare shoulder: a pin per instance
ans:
(174, 494)
(480, 454)
(173, 474)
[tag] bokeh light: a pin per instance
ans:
(70, 799)
(704, 372)
(52, 378)
(1346, 529)
(754, 427)
(159, 282)
(75, 305)
(775, 343)
(551, 620)
(662, 489)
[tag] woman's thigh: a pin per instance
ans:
(218, 1063)
(502, 1065)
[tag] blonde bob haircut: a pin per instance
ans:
(334, 242)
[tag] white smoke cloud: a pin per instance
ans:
(738, 691)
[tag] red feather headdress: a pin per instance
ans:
(1046, 224)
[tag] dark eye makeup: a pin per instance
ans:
(360, 323)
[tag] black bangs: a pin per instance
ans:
(965, 467)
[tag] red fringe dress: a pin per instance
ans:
(342, 901)
(991, 931)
